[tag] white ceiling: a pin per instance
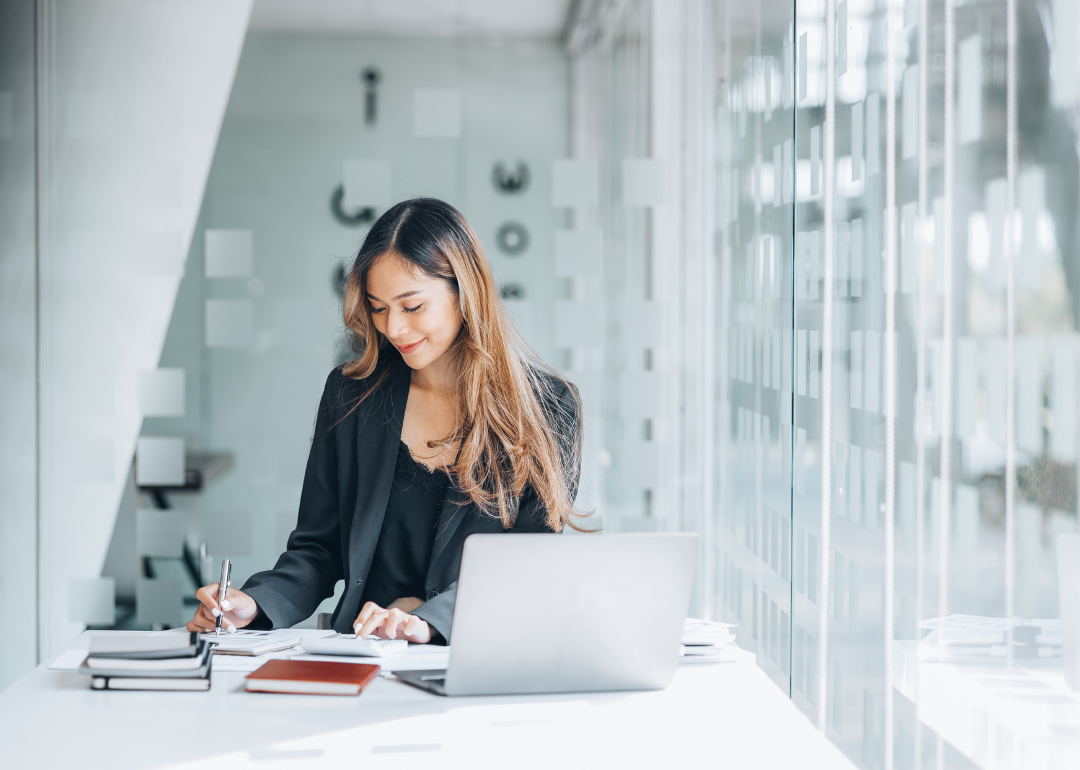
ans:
(518, 18)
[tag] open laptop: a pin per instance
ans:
(537, 614)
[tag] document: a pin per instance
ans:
(245, 642)
(248, 663)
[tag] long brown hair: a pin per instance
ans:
(518, 421)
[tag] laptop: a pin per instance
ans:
(575, 613)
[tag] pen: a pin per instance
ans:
(223, 587)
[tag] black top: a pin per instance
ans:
(350, 472)
(401, 558)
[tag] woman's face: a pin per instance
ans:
(418, 314)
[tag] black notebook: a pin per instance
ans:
(147, 683)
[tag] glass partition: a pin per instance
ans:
(930, 320)
(754, 120)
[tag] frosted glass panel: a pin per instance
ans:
(367, 183)
(643, 182)
(230, 253)
(230, 323)
(159, 602)
(228, 534)
(575, 183)
(578, 252)
(437, 113)
(159, 462)
(161, 393)
(159, 533)
(92, 601)
(577, 324)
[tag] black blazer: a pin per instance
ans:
(346, 489)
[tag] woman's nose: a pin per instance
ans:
(398, 325)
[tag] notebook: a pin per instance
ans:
(154, 683)
(311, 677)
(180, 663)
(145, 646)
(250, 642)
(167, 668)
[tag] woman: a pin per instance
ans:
(446, 424)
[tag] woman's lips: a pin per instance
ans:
(409, 348)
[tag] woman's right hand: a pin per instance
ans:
(240, 609)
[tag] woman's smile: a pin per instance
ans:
(411, 347)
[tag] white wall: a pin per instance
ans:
(295, 114)
(18, 424)
(133, 97)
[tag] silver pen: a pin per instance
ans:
(223, 588)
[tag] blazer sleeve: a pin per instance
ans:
(312, 563)
(438, 611)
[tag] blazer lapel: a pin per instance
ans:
(453, 512)
(377, 442)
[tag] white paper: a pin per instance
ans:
(69, 660)
(248, 663)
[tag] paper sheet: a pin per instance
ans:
(69, 660)
(249, 663)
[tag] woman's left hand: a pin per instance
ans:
(391, 623)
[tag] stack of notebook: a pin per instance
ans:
(706, 639)
(148, 662)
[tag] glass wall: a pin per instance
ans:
(892, 274)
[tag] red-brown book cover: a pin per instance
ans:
(311, 677)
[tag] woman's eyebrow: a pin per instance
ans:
(400, 296)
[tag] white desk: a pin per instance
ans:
(725, 715)
(1024, 717)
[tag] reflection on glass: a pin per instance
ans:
(974, 330)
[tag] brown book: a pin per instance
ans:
(311, 677)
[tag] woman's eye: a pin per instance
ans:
(377, 310)
(412, 309)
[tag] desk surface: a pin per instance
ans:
(729, 713)
(1024, 717)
